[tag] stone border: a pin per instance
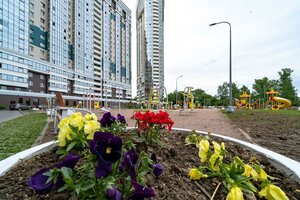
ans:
(284, 163)
(43, 133)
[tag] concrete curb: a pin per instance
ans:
(43, 133)
(8, 163)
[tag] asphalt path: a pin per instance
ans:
(6, 115)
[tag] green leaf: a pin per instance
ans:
(70, 146)
(63, 188)
(67, 172)
(61, 151)
(87, 185)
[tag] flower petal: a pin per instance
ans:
(38, 182)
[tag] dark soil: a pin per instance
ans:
(275, 130)
(175, 156)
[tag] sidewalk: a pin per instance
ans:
(6, 115)
(209, 120)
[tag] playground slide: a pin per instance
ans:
(286, 103)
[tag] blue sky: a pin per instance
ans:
(265, 39)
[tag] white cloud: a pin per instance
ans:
(265, 38)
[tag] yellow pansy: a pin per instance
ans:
(64, 133)
(90, 117)
(272, 192)
(196, 174)
(61, 138)
(213, 162)
(203, 149)
(262, 175)
(76, 115)
(90, 128)
(64, 122)
(249, 171)
(235, 194)
(76, 121)
(217, 148)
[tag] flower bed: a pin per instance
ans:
(173, 155)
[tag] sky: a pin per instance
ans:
(265, 39)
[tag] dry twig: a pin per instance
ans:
(212, 197)
(203, 190)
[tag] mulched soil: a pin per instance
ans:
(282, 129)
(175, 156)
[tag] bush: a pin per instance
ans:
(2, 107)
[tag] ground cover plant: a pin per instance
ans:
(20, 133)
(275, 130)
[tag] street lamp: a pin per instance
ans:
(176, 88)
(230, 107)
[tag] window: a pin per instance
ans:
(31, 48)
(31, 14)
(42, 52)
(31, 40)
(42, 77)
(42, 20)
(42, 85)
(30, 74)
(31, 5)
(42, 13)
(31, 22)
(42, 45)
(42, 28)
(43, 5)
(31, 31)
(42, 37)
(30, 83)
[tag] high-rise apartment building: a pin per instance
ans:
(150, 47)
(73, 47)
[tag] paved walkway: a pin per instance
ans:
(6, 115)
(209, 120)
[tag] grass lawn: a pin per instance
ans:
(20, 133)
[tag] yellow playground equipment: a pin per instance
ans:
(154, 99)
(188, 97)
(277, 102)
(244, 101)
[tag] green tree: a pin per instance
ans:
(223, 92)
(286, 88)
(244, 89)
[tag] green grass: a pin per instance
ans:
(19, 134)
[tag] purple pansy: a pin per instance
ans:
(153, 157)
(107, 120)
(103, 169)
(113, 194)
(106, 146)
(129, 162)
(158, 170)
(38, 181)
(121, 119)
(141, 192)
(69, 161)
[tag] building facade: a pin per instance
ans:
(150, 47)
(66, 46)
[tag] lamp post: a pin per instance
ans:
(230, 107)
(176, 88)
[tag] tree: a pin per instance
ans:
(245, 89)
(286, 88)
(223, 92)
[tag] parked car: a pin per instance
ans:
(42, 107)
(19, 106)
